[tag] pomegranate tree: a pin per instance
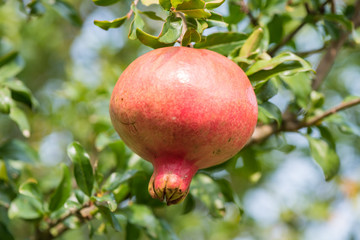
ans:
(182, 109)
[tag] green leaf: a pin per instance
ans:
(62, 192)
(26, 208)
(171, 30)
(36, 8)
(105, 2)
(137, 23)
(30, 189)
(216, 20)
(142, 215)
(189, 204)
(284, 63)
(339, 19)
(132, 231)
(191, 35)
(80, 196)
(194, 8)
(222, 42)
(116, 179)
(269, 111)
(10, 65)
(67, 11)
(266, 91)
(5, 100)
(5, 233)
(110, 217)
(165, 4)
(21, 93)
(252, 44)
(327, 136)
(150, 40)
(107, 200)
(213, 3)
(300, 85)
(18, 116)
(152, 15)
(116, 23)
(82, 167)
(317, 100)
(3, 171)
(18, 150)
(325, 156)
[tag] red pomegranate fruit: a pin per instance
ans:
(182, 109)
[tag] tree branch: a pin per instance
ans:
(290, 123)
(328, 59)
(342, 106)
(306, 53)
(56, 228)
(247, 11)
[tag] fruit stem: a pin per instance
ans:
(171, 179)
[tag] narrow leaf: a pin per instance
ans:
(116, 179)
(325, 156)
(171, 30)
(5, 233)
(165, 4)
(137, 23)
(10, 65)
(105, 2)
(19, 151)
(252, 44)
(82, 167)
(213, 4)
(67, 11)
(116, 23)
(269, 111)
(5, 100)
(110, 217)
(150, 40)
(152, 15)
(339, 19)
(62, 192)
(18, 116)
(107, 200)
(21, 93)
(30, 189)
(25, 207)
(285, 63)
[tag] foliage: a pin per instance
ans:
(65, 174)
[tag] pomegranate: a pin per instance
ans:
(182, 109)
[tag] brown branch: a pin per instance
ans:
(291, 124)
(328, 59)
(247, 11)
(56, 228)
(184, 28)
(342, 106)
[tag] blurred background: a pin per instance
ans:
(71, 66)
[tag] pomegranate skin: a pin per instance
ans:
(182, 109)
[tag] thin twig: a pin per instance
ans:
(306, 53)
(129, 14)
(184, 27)
(342, 106)
(286, 39)
(290, 124)
(247, 11)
